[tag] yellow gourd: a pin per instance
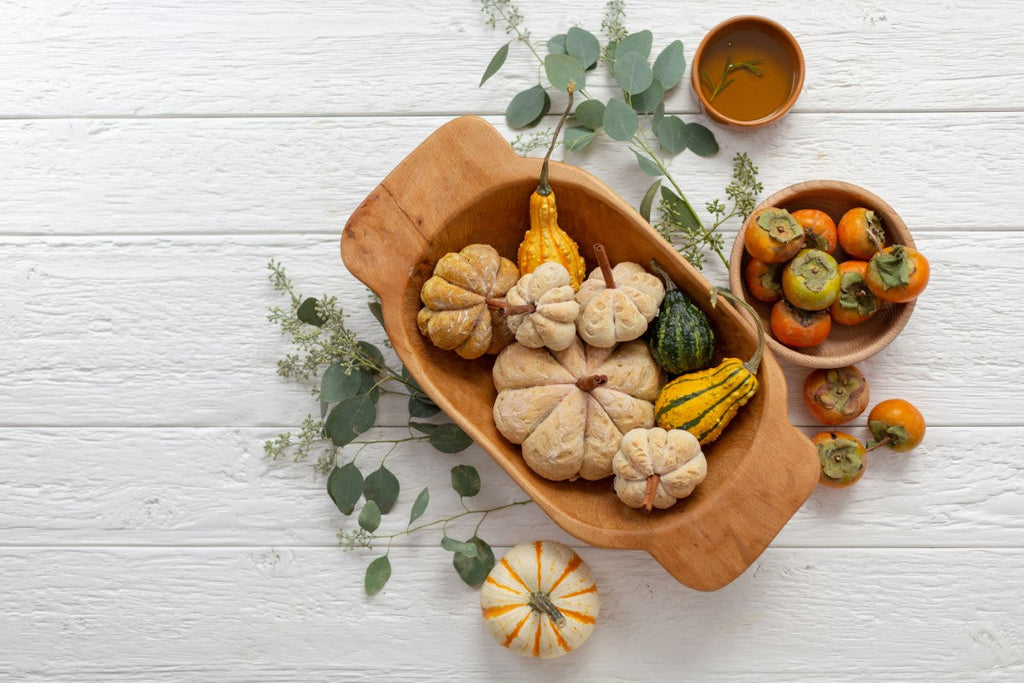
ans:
(545, 241)
(703, 403)
(540, 600)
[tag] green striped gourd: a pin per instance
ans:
(680, 338)
(703, 403)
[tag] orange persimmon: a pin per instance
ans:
(764, 280)
(799, 328)
(772, 235)
(860, 233)
(856, 302)
(842, 456)
(896, 424)
(897, 274)
(819, 229)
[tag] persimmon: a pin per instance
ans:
(799, 328)
(897, 274)
(856, 303)
(772, 235)
(819, 229)
(836, 395)
(860, 233)
(764, 280)
(842, 456)
(895, 424)
(810, 280)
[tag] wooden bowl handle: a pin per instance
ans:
(443, 176)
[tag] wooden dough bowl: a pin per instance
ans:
(465, 185)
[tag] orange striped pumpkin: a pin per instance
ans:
(540, 600)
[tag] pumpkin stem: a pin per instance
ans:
(650, 491)
(508, 309)
(755, 360)
(541, 602)
(605, 264)
(660, 272)
(543, 189)
(591, 382)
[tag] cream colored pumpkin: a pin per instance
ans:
(616, 304)
(549, 318)
(569, 409)
(540, 600)
(655, 468)
(456, 315)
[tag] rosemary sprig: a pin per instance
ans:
(728, 69)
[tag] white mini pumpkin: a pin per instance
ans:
(616, 304)
(549, 318)
(540, 600)
(655, 468)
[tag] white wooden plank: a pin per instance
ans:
(963, 487)
(815, 614)
(286, 175)
(172, 331)
(115, 57)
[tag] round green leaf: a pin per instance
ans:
(577, 137)
(556, 44)
(345, 486)
(449, 438)
(527, 107)
(381, 486)
(701, 140)
(632, 72)
(420, 506)
(582, 45)
(425, 427)
(373, 352)
(670, 65)
(647, 101)
(496, 62)
(308, 314)
(636, 42)
(590, 113)
(350, 418)
(465, 480)
(369, 517)
(563, 70)
(474, 570)
(671, 134)
(339, 383)
(377, 574)
(659, 114)
(620, 121)
(647, 165)
(467, 548)
(420, 405)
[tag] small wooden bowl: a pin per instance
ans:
(845, 345)
(465, 185)
(769, 28)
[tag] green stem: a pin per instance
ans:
(413, 530)
(755, 360)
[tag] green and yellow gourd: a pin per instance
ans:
(704, 402)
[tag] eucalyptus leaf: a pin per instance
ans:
(701, 140)
(636, 42)
(577, 137)
(467, 548)
(369, 516)
(680, 212)
(474, 570)
(339, 383)
(671, 134)
(381, 486)
(632, 72)
(647, 165)
(562, 70)
(373, 352)
(369, 387)
(583, 45)
(377, 574)
(648, 201)
(350, 418)
(425, 427)
(420, 506)
(556, 44)
(377, 310)
(527, 107)
(308, 314)
(450, 438)
(620, 121)
(324, 407)
(647, 101)
(659, 114)
(345, 487)
(670, 65)
(496, 63)
(590, 113)
(420, 405)
(465, 480)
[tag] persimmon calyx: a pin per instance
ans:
(839, 390)
(840, 459)
(780, 225)
(893, 267)
(885, 434)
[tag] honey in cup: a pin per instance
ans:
(750, 92)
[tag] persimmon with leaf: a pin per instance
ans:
(897, 274)
(856, 303)
(896, 424)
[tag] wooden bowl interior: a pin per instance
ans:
(499, 218)
(845, 345)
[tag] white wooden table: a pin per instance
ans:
(155, 156)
